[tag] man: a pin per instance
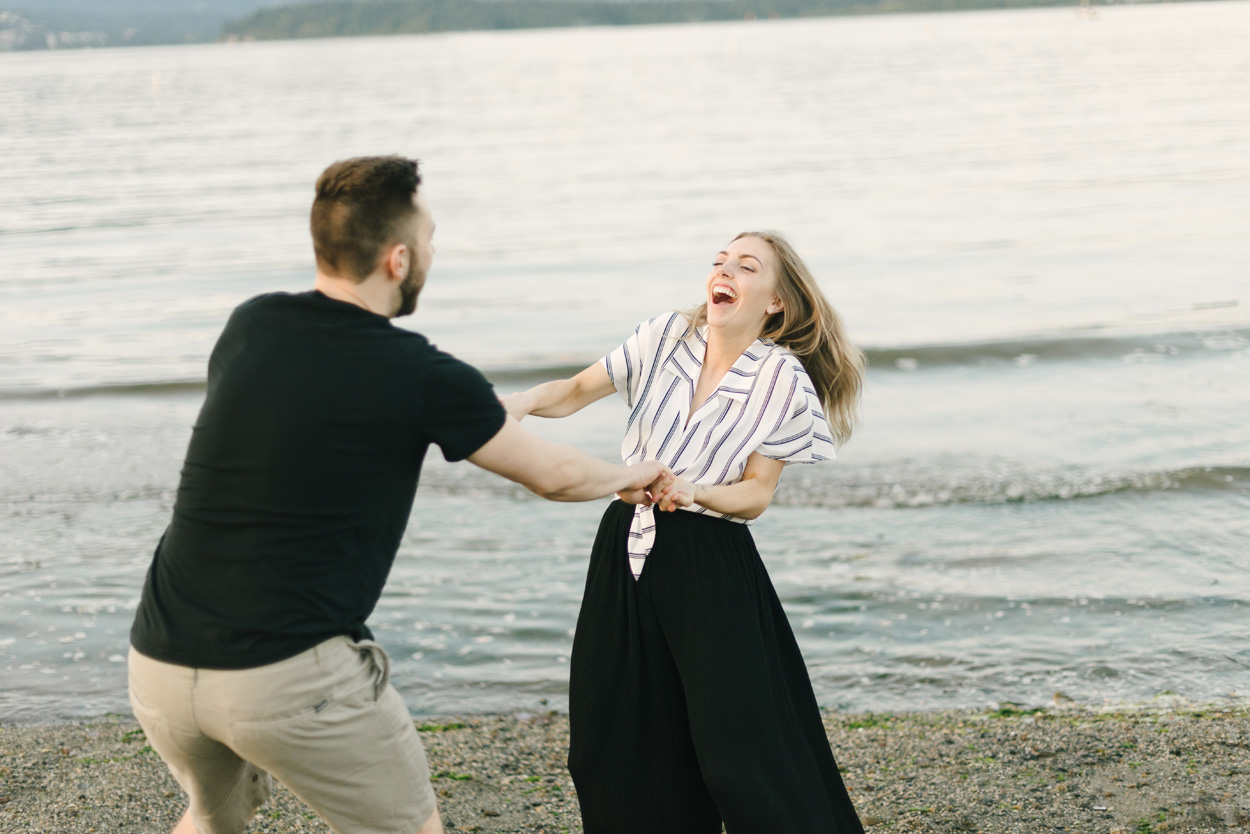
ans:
(250, 654)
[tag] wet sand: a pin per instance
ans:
(1164, 767)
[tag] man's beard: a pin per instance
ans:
(408, 289)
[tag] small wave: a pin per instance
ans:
(1019, 352)
(142, 389)
(836, 493)
(1024, 352)
(512, 376)
(874, 489)
(523, 375)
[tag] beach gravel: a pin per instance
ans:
(1113, 770)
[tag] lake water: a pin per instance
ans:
(1034, 221)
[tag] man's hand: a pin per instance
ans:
(636, 496)
(651, 473)
(646, 474)
(517, 405)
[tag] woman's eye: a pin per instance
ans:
(717, 263)
(748, 268)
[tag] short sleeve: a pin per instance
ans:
(460, 411)
(803, 434)
(626, 364)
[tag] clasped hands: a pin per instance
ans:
(654, 482)
(668, 491)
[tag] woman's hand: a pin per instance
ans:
(745, 499)
(517, 405)
(673, 491)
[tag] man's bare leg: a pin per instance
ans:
(434, 825)
(185, 826)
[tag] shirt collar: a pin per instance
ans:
(687, 360)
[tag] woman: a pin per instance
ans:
(689, 700)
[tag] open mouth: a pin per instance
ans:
(723, 295)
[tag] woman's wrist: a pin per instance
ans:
(545, 400)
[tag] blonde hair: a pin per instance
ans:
(812, 330)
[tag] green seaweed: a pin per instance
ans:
(1146, 825)
(440, 728)
(1011, 711)
(91, 760)
(447, 774)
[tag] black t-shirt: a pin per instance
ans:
(299, 479)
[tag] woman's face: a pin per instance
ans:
(741, 288)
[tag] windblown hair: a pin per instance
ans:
(812, 330)
(362, 206)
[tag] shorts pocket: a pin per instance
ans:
(379, 663)
(145, 676)
(348, 679)
(311, 706)
(137, 702)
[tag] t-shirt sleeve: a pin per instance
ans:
(626, 365)
(460, 411)
(802, 434)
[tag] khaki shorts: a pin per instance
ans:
(326, 723)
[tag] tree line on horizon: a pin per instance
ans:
(338, 18)
(133, 23)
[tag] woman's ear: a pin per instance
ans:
(775, 307)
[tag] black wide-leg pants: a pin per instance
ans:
(689, 702)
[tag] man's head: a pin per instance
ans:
(368, 217)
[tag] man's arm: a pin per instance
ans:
(558, 472)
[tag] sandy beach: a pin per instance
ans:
(1164, 767)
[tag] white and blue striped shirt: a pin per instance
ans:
(766, 403)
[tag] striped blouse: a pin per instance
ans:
(766, 403)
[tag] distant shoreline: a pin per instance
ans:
(348, 18)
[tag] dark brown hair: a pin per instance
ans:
(813, 331)
(362, 205)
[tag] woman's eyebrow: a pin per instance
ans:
(743, 255)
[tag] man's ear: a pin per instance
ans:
(397, 262)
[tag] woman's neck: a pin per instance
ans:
(724, 347)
